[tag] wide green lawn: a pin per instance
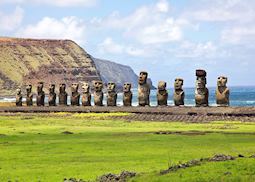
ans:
(34, 148)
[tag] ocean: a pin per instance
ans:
(239, 96)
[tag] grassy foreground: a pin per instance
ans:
(36, 148)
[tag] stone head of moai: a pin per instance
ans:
(75, 98)
(111, 94)
(222, 81)
(62, 88)
(162, 94)
(161, 85)
(29, 98)
(18, 91)
(40, 94)
(143, 77)
(52, 95)
(178, 83)
(178, 92)
(98, 93)
(62, 94)
(74, 87)
(127, 87)
(86, 97)
(40, 87)
(127, 94)
(201, 92)
(29, 88)
(85, 87)
(18, 97)
(143, 90)
(222, 92)
(52, 88)
(111, 86)
(201, 79)
(98, 86)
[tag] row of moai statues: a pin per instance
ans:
(201, 93)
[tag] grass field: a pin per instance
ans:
(37, 148)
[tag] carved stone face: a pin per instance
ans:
(127, 87)
(62, 88)
(98, 86)
(85, 87)
(18, 91)
(201, 82)
(111, 87)
(143, 77)
(222, 81)
(29, 88)
(161, 85)
(40, 87)
(178, 83)
(52, 88)
(75, 87)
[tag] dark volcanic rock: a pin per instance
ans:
(222, 157)
(122, 177)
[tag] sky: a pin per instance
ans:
(166, 38)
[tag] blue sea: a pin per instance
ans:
(239, 96)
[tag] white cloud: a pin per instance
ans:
(59, 3)
(67, 28)
(9, 22)
(150, 24)
(222, 11)
(196, 50)
(109, 46)
(239, 35)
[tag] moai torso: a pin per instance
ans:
(18, 97)
(52, 95)
(127, 94)
(62, 95)
(143, 90)
(178, 92)
(40, 95)
(29, 97)
(162, 94)
(222, 92)
(201, 92)
(111, 94)
(75, 98)
(86, 95)
(98, 93)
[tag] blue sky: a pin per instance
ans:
(168, 38)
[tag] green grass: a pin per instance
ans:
(34, 148)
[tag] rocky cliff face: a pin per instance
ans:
(24, 61)
(118, 73)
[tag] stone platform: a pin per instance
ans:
(169, 113)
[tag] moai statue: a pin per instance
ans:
(222, 91)
(143, 89)
(52, 95)
(40, 94)
(75, 98)
(86, 95)
(201, 92)
(18, 97)
(162, 94)
(127, 94)
(98, 93)
(62, 95)
(178, 92)
(111, 94)
(29, 98)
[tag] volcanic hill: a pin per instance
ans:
(25, 61)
